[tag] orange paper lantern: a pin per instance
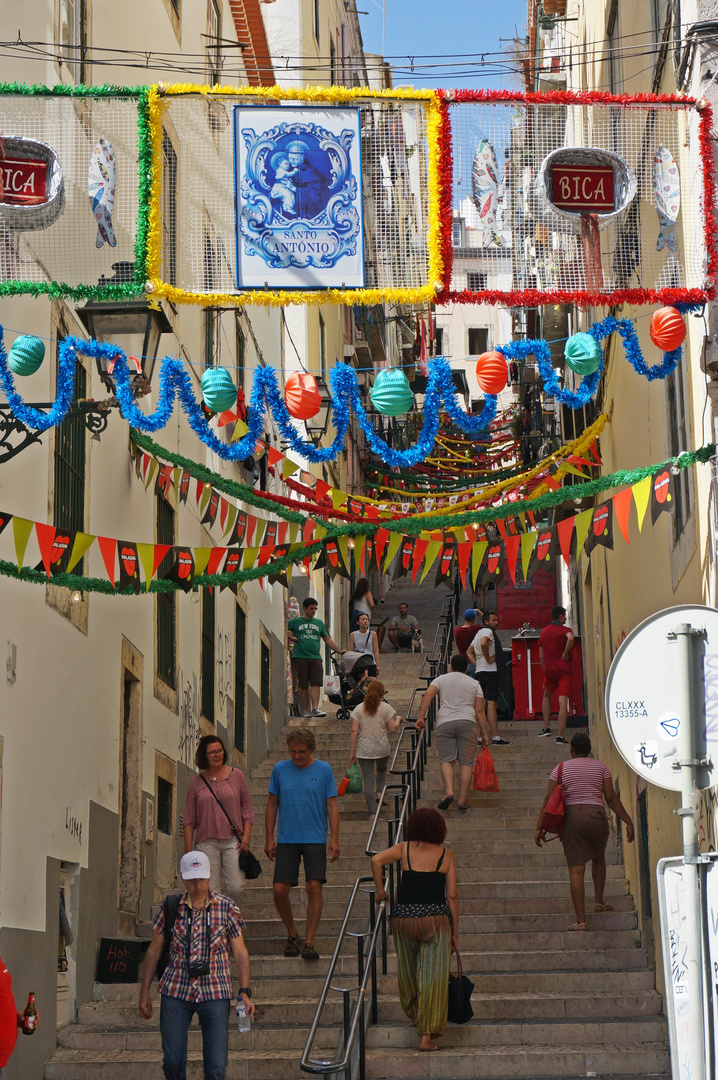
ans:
(491, 372)
(302, 396)
(667, 329)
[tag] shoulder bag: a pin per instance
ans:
(553, 815)
(249, 864)
(460, 990)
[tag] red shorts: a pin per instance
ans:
(563, 682)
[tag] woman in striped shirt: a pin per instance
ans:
(586, 782)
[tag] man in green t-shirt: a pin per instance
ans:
(307, 634)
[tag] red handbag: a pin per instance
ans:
(555, 808)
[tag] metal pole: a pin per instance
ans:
(684, 636)
(347, 1027)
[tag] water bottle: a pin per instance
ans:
(243, 1023)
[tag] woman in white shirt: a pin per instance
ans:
(364, 641)
(372, 721)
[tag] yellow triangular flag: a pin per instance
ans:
(146, 555)
(240, 430)
(231, 518)
(289, 468)
(338, 498)
(176, 477)
(641, 497)
(83, 541)
(204, 498)
(249, 557)
(522, 519)
(392, 547)
(343, 545)
(319, 532)
(153, 467)
(293, 532)
(528, 543)
(359, 542)
(201, 558)
(432, 551)
(22, 528)
(583, 524)
(478, 550)
(565, 467)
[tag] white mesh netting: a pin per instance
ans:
(65, 251)
(198, 192)
(656, 242)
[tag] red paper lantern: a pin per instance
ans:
(302, 396)
(667, 329)
(491, 372)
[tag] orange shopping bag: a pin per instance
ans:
(485, 778)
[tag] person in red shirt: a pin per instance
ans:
(464, 635)
(10, 1018)
(555, 646)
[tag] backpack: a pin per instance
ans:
(171, 906)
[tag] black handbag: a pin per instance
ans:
(460, 990)
(246, 858)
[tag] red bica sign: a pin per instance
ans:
(24, 181)
(582, 188)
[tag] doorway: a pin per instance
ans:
(130, 803)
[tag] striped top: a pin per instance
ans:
(582, 780)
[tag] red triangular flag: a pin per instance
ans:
(108, 547)
(45, 539)
(223, 511)
(382, 535)
(593, 451)
(464, 553)
(551, 482)
(200, 489)
(321, 490)
(309, 527)
(565, 532)
(621, 508)
(419, 552)
(251, 526)
(372, 511)
(215, 558)
(501, 526)
(273, 456)
(282, 531)
(512, 549)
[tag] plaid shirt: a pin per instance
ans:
(224, 922)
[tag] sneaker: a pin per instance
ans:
(560, 738)
(317, 712)
(309, 952)
(498, 741)
(306, 715)
(292, 946)
(544, 732)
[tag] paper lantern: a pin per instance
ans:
(391, 394)
(491, 372)
(583, 354)
(26, 354)
(667, 328)
(302, 396)
(218, 391)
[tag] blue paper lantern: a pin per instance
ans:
(25, 355)
(391, 394)
(218, 391)
(583, 354)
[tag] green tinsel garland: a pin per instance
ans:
(108, 90)
(200, 472)
(144, 146)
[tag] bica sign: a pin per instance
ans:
(582, 187)
(576, 181)
(23, 180)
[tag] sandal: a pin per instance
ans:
(577, 927)
(292, 946)
(309, 952)
(598, 908)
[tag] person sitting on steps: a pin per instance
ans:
(402, 629)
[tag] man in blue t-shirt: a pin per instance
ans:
(302, 791)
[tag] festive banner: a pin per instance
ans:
(600, 531)
(663, 495)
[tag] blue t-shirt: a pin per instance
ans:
(302, 795)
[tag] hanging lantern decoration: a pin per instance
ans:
(25, 355)
(491, 372)
(583, 354)
(218, 391)
(668, 329)
(391, 394)
(301, 395)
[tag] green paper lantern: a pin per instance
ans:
(391, 394)
(583, 354)
(218, 391)
(25, 355)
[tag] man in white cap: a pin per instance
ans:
(197, 978)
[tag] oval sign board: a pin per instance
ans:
(642, 701)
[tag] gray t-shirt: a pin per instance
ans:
(457, 696)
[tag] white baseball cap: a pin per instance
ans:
(195, 864)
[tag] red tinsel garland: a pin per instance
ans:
(446, 197)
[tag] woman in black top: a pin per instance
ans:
(425, 920)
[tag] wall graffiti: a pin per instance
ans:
(189, 722)
(224, 669)
(73, 825)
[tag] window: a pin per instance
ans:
(164, 806)
(240, 677)
(69, 466)
(439, 341)
(477, 280)
(333, 62)
(456, 233)
(71, 35)
(315, 10)
(677, 443)
(214, 48)
(209, 603)
(169, 210)
(322, 348)
(166, 603)
(240, 352)
(264, 676)
(478, 340)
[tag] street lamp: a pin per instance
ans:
(317, 426)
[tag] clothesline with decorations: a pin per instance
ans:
(459, 541)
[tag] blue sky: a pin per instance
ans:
(437, 33)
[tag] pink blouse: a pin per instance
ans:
(582, 780)
(201, 811)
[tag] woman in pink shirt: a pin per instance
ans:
(586, 782)
(205, 824)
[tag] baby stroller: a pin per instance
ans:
(351, 670)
